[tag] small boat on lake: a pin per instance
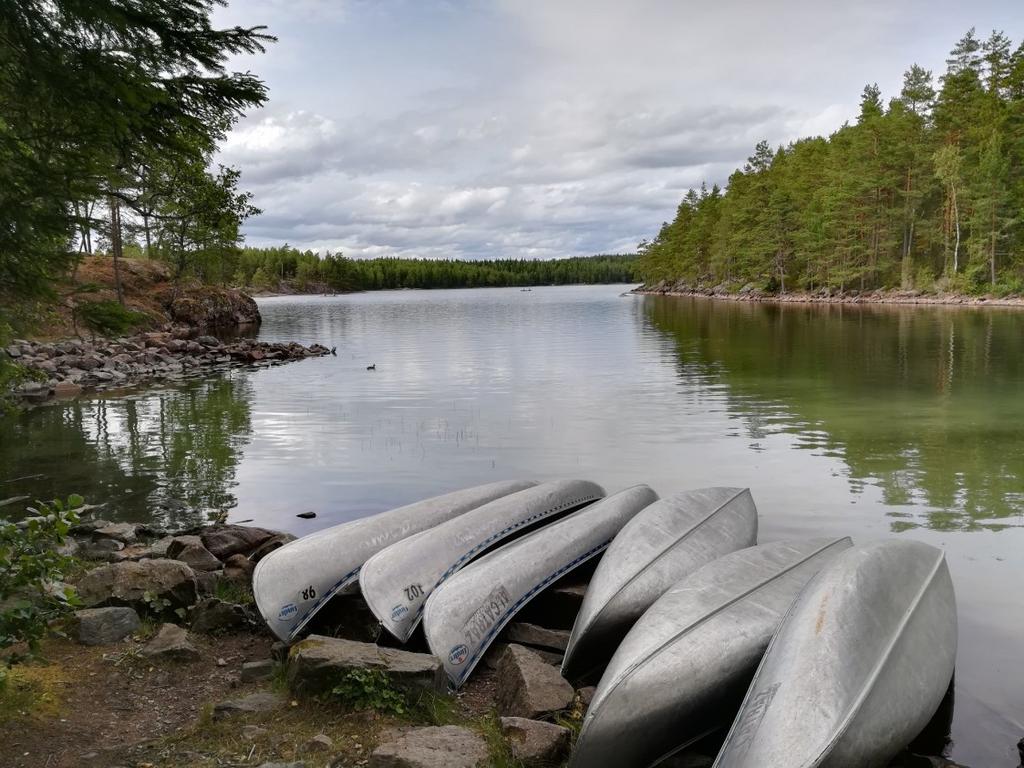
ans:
(682, 670)
(858, 666)
(293, 583)
(397, 581)
(464, 615)
(670, 539)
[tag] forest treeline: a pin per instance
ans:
(925, 192)
(273, 268)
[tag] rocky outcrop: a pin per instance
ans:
(316, 664)
(69, 367)
(527, 687)
(171, 644)
(134, 584)
(535, 743)
(100, 626)
(204, 307)
(447, 746)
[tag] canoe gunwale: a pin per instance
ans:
(724, 606)
(574, 638)
(513, 609)
(568, 506)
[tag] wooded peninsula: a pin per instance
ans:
(924, 193)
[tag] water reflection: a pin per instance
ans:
(924, 404)
(169, 456)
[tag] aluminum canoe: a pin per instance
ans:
(397, 581)
(682, 670)
(858, 666)
(293, 583)
(464, 615)
(670, 539)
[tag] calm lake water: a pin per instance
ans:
(868, 421)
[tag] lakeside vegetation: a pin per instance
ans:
(275, 268)
(923, 193)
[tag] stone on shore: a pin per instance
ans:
(257, 671)
(190, 550)
(495, 652)
(316, 664)
(264, 701)
(238, 570)
(211, 615)
(530, 634)
(446, 746)
(528, 687)
(99, 549)
(99, 626)
(171, 644)
(223, 541)
(274, 542)
(318, 745)
(534, 742)
(126, 533)
(130, 583)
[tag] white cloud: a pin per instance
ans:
(538, 128)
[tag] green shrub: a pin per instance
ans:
(31, 570)
(370, 689)
(109, 317)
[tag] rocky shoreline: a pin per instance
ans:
(67, 368)
(168, 616)
(749, 293)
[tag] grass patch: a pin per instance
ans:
(32, 690)
(233, 592)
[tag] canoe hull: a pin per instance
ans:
(682, 670)
(669, 540)
(857, 668)
(292, 583)
(464, 615)
(397, 581)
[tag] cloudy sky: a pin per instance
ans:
(547, 128)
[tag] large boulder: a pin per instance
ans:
(223, 541)
(533, 742)
(130, 583)
(446, 746)
(171, 644)
(190, 550)
(99, 626)
(316, 664)
(528, 687)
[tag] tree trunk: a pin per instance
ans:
(115, 245)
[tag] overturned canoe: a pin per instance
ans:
(397, 581)
(682, 670)
(667, 541)
(858, 666)
(294, 582)
(464, 615)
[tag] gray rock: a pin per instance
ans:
(257, 671)
(171, 643)
(206, 582)
(127, 583)
(527, 687)
(253, 732)
(586, 695)
(156, 549)
(274, 542)
(446, 746)
(238, 570)
(225, 540)
(318, 744)
(534, 742)
(495, 652)
(316, 663)
(123, 532)
(212, 615)
(190, 550)
(530, 634)
(98, 626)
(264, 701)
(99, 549)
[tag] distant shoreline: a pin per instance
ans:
(894, 298)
